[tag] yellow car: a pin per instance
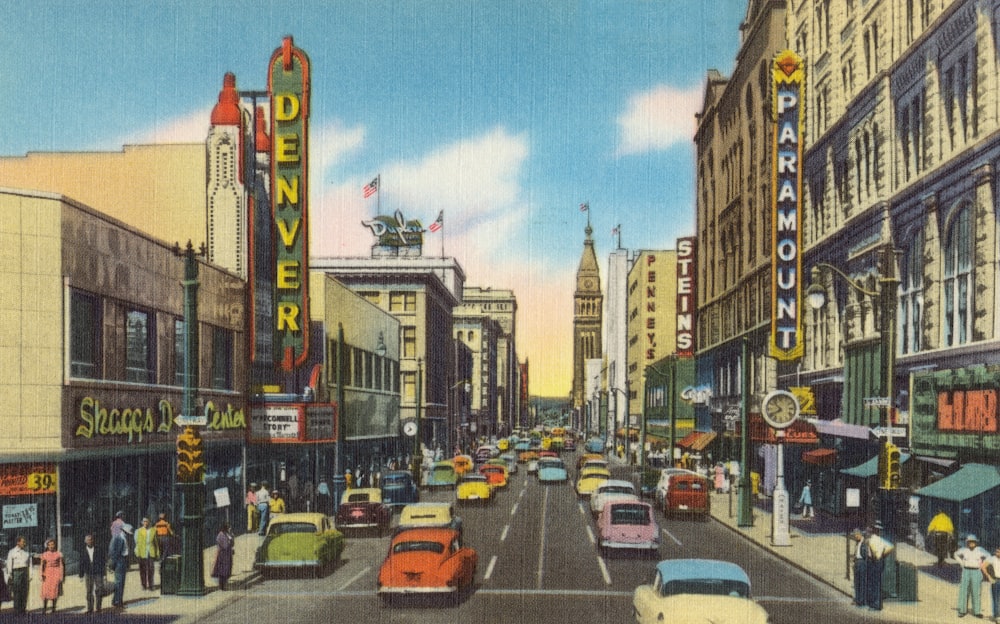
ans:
(589, 479)
(474, 488)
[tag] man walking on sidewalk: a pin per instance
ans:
(92, 563)
(971, 558)
(878, 548)
(860, 561)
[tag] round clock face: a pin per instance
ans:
(410, 428)
(780, 409)
(588, 283)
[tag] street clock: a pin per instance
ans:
(780, 409)
(410, 428)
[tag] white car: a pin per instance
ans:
(697, 590)
(612, 489)
(533, 466)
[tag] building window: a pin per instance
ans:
(957, 279)
(222, 359)
(380, 363)
(85, 332)
(359, 367)
(409, 342)
(402, 301)
(409, 387)
(369, 370)
(139, 350)
(911, 296)
(371, 296)
(179, 352)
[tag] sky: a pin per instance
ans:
(504, 115)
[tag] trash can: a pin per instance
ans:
(170, 574)
(906, 580)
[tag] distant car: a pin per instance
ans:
(522, 446)
(533, 466)
(589, 480)
(594, 445)
(428, 515)
(569, 444)
(586, 457)
(299, 540)
(611, 490)
(473, 487)
(595, 463)
(511, 460)
(660, 493)
(426, 561)
(442, 475)
(398, 489)
(697, 590)
(627, 524)
(463, 464)
(496, 474)
(486, 452)
(551, 470)
(688, 494)
(362, 508)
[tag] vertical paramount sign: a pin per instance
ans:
(288, 85)
(786, 213)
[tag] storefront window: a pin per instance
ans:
(85, 332)
(138, 348)
(179, 352)
(222, 359)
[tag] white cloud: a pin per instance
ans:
(658, 119)
(331, 143)
(191, 127)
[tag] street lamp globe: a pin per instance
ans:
(816, 296)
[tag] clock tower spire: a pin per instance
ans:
(587, 318)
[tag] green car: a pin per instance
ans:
(299, 540)
(442, 474)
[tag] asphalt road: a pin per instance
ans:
(538, 561)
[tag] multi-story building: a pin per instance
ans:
(587, 311)
(616, 337)
(480, 335)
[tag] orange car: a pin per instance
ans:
(496, 475)
(426, 561)
(462, 463)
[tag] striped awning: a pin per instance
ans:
(696, 440)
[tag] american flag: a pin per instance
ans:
(614, 230)
(438, 223)
(584, 207)
(371, 188)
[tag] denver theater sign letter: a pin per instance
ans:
(786, 213)
(288, 84)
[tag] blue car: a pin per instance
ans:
(398, 489)
(594, 445)
(551, 470)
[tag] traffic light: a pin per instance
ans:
(889, 466)
(190, 461)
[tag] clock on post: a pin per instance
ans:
(780, 409)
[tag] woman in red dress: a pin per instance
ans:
(53, 570)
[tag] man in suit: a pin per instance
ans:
(92, 563)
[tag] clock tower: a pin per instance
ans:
(587, 316)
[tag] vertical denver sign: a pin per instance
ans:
(786, 213)
(288, 85)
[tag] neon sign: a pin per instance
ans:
(685, 296)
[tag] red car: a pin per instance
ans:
(496, 475)
(427, 561)
(362, 508)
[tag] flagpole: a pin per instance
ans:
(619, 230)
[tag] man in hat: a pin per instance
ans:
(971, 557)
(860, 561)
(878, 548)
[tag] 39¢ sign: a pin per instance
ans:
(26, 479)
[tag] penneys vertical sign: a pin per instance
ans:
(786, 213)
(288, 86)
(685, 295)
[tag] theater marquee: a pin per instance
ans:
(786, 213)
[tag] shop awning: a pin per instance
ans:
(820, 457)
(870, 467)
(696, 440)
(841, 429)
(937, 461)
(970, 481)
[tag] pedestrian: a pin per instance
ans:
(164, 536)
(92, 569)
(118, 562)
(324, 497)
(53, 571)
(147, 551)
(264, 506)
(117, 523)
(18, 568)
(253, 516)
(878, 548)
(860, 561)
(349, 479)
(941, 536)
(971, 557)
(720, 479)
(223, 567)
(991, 568)
(4, 590)
(806, 500)
(277, 504)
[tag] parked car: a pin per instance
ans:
(551, 470)
(425, 561)
(428, 515)
(362, 508)
(473, 488)
(612, 489)
(627, 525)
(398, 489)
(299, 540)
(660, 493)
(697, 590)
(688, 494)
(442, 474)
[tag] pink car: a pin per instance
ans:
(628, 525)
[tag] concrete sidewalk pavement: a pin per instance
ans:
(824, 555)
(139, 601)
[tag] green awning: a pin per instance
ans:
(970, 481)
(870, 467)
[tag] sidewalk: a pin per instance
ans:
(819, 548)
(187, 609)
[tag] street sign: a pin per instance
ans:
(191, 421)
(877, 402)
(896, 432)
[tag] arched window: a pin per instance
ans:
(957, 281)
(911, 296)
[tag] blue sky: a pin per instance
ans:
(504, 114)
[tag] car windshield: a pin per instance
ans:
(615, 489)
(630, 514)
(394, 480)
(444, 469)
(358, 498)
(292, 527)
(708, 587)
(418, 546)
(550, 464)
(473, 478)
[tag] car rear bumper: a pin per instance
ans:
(417, 590)
(648, 545)
(273, 565)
